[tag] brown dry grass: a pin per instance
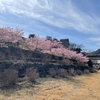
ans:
(86, 87)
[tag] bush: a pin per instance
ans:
(71, 72)
(62, 72)
(32, 74)
(93, 70)
(79, 72)
(9, 77)
(52, 72)
(86, 71)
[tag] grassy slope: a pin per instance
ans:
(86, 87)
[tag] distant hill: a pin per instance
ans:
(97, 52)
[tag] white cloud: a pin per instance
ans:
(57, 13)
(95, 40)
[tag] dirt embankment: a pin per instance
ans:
(86, 87)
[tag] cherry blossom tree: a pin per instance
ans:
(55, 48)
(36, 43)
(44, 45)
(8, 34)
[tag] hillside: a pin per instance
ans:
(17, 58)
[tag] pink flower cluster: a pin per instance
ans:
(8, 34)
(37, 43)
(54, 47)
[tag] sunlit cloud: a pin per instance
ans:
(57, 13)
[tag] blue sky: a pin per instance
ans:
(77, 20)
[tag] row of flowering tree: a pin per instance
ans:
(8, 34)
(53, 47)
